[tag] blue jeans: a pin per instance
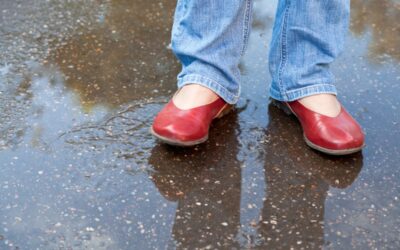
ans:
(210, 36)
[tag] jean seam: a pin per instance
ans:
(176, 29)
(283, 47)
(246, 26)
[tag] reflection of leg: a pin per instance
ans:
(206, 186)
(307, 37)
(209, 37)
(293, 207)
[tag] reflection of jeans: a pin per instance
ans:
(209, 37)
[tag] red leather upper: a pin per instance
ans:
(186, 125)
(336, 133)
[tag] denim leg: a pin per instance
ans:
(209, 38)
(307, 36)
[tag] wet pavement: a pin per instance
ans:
(80, 82)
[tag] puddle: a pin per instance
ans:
(79, 88)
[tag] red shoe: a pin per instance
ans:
(187, 127)
(340, 135)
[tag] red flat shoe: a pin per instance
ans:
(187, 127)
(340, 135)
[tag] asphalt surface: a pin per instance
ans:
(80, 82)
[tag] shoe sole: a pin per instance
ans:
(286, 108)
(225, 110)
(332, 151)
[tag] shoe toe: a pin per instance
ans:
(333, 135)
(346, 139)
(341, 136)
(178, 128)
(186, 127)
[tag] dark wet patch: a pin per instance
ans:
(123, 59)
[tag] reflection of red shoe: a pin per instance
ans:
(338, 135)
(187, 127)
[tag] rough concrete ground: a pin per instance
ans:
(80, 82)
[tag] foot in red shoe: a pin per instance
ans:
(188, 126)
(335, 135)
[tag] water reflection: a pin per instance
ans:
(124, 58)
(207, 188)
(102, 163)
(206, 183)
(381, 18)
(298, 181)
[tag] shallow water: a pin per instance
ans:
(80, 82)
